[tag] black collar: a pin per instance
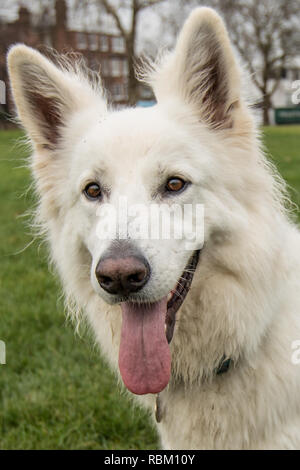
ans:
(223, 366)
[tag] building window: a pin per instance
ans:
(124, 68)
(296, 74)
(93, 42)
(118, 44)
(104, 45)
(283, 74)
(105, 69)
(118, 91)
(81, 41)
(115, 67)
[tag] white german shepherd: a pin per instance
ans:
(227, 380)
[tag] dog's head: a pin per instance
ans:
(183, 152)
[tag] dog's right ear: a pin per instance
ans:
(202, 71)
(46, 96)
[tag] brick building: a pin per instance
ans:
(104, 51)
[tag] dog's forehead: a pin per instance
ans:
(139, 144)
(131, 135)
(136, 123)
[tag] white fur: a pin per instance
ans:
(245, 296)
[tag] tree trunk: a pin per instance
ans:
(130, 44)
(132, 81)
(266, 109)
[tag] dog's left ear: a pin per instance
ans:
(47, 96)
(202, 71)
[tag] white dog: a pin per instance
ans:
(227, 380)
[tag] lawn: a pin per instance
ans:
(56, 393)
(283, 144)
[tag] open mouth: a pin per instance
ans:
(147, 330)
(177, 296)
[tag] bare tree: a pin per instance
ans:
(125, 15)
(266, 34)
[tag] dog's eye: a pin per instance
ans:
(92, 191)
(175, 184)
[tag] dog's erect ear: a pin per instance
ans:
(202, 70)
(45, 95)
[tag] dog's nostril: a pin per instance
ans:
(137, 277)
(105, 280)
(123, 275)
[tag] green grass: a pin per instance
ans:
(55, 391)
(283, 144)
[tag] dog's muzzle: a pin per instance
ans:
(122, 271)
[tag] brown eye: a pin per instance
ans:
(92, 191)
(175, 184)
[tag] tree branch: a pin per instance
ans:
(148, 3)
(110, 10)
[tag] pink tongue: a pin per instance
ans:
(144, 356)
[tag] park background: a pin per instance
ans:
(56, 392)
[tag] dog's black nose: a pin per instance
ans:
(122, 276)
